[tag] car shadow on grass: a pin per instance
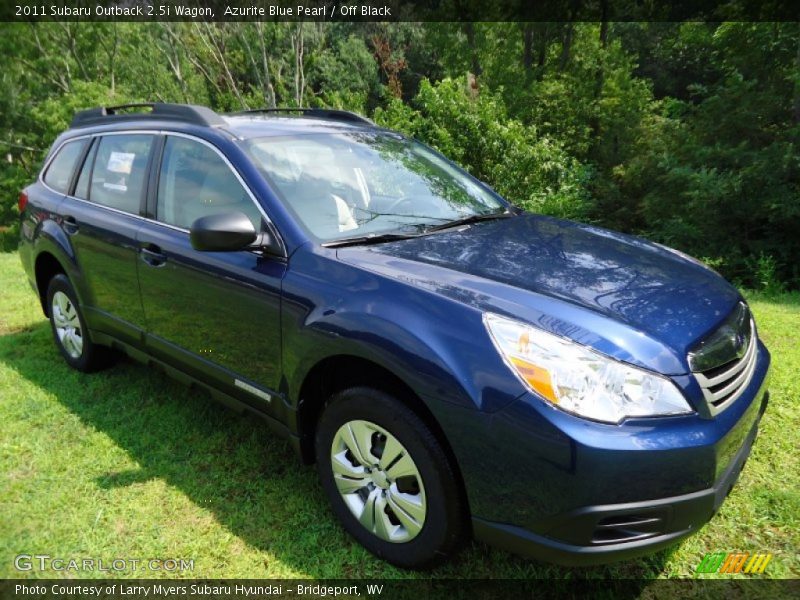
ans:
(234, 467)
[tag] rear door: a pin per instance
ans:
(102, 218)
(215, 314)
(45, 196)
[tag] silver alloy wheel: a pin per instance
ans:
(68, 326)
(379, 481)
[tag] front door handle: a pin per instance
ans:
(152, 255)
(69, 224)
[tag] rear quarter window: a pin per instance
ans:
(82, 187)
(59, 173)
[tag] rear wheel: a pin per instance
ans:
(389, 480)
(69, 328)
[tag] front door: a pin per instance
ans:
(215, 313)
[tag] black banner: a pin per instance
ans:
(400, 10)
(412, 589)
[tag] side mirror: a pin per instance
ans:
(229, 232)
(225, 232)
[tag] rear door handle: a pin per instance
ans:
(152, 255)
(70, 224)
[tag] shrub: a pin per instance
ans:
(529, 170)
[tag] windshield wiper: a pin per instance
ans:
(471, 219)
(362, 240)
(380, 238)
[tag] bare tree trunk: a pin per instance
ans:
(251, 58)
(797, 81)
(469, 30)
(566, 46)
(218, 54)
(267, 89)
(61, 78)
(542, 33)
(171, 51)
(604, 24)
(600, 76)
(569, 34)
(299, 73)
(73, 48)
(111, 52)
(196, 63)
(527, 45)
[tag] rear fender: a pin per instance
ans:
(51, 239)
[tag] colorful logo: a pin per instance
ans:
(734, 562)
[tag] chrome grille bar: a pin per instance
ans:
(734, 379)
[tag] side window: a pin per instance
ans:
(82, 187)
(120, 166)
(196, 182)
(59, 173)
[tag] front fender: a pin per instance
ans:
(437, 346)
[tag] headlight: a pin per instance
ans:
(580, 380)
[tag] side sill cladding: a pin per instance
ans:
(217, 395)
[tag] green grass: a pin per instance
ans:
(127, 463)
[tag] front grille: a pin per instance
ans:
(722, 384)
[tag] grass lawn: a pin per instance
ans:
(127, 463)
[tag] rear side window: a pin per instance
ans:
(196, 182)
(59, 173)
(120, 167)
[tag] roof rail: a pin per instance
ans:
(186, 113)
(321, 113)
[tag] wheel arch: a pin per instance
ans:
(339, 372)
(46, 266)
(53, 253)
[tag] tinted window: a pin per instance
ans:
(195, 182)
(59, 173)
(82, 187)
(118, 177)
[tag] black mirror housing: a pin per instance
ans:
(225, 232)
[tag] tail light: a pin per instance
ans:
(23, 201)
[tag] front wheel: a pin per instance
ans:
(389, 480)
(69, 328)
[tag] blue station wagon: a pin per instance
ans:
(454, 366)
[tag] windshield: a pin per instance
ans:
(362, 184)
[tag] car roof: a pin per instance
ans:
(243, 125)
(250, 126)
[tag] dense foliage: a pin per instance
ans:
(685, 133)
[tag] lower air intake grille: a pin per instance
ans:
(627, 528)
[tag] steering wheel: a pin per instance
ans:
(396, 203)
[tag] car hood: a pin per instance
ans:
(655, 291)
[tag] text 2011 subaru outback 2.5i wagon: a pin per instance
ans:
(454, 365)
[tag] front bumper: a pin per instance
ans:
(610, 532)
(550, 485)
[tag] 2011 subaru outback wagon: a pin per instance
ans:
(453, 365)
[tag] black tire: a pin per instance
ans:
(92, 357)
(445, 522)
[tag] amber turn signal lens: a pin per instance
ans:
(537, 377)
